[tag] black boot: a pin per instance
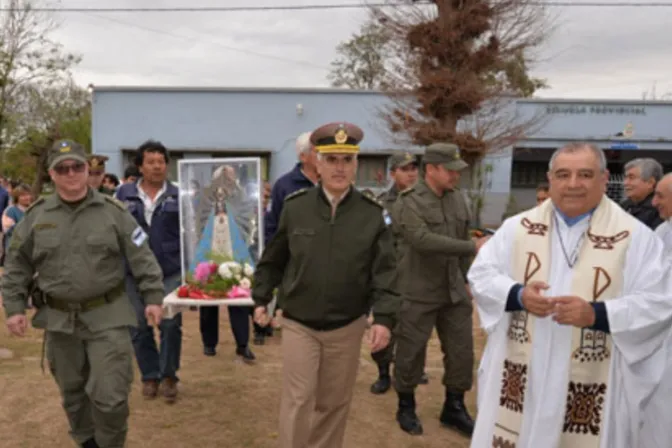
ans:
(246, 354)
(406, 416)
(424, 379)
(259, 339)
(91, 443)
(384, 381)
(455, 415)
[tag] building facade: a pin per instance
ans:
(206, 122)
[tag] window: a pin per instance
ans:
(528, 174)
(371, 171)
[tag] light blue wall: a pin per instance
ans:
(235, 120)
(201, 121)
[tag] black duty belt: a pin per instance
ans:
(83, 306)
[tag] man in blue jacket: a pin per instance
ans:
(154, 203)
(303, 175)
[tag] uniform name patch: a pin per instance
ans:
(387, 218)
(138, 236)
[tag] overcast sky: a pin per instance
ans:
(593, 53)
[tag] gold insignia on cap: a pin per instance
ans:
(65, 147)
(341, 136)
(94, 163)
(457, 154)
(408, 156)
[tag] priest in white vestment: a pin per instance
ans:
(657, 428)
(575, 296)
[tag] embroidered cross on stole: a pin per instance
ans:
(597, 276)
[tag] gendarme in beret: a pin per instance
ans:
(63, 150)
(446, 154)
(97, 163)
(400, 160)
(337, 138)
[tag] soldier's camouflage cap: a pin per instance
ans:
(97, 163)
(400, 160)
(446, 154)
(337, 138)
(63, 150)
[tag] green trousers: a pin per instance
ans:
(454, 326)
(94, 372)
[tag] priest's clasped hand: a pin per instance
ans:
(534, 301)
(573, 310)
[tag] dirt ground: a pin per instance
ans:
(223, 402)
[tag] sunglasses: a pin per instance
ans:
(62, 170)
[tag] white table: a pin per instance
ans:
(173, 305)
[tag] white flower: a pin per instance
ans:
(238, 277)
(245, 283)
(248, 271)
(236, 268)
(224, 271)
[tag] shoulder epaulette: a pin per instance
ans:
(373, 200)
(296, 194)
(39, 201)
(406, 191)
(114, 201)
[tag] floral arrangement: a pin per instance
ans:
(218, 278)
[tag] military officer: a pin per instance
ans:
(76, 240)
(97, 174)
(433, 219)
(404, 174)
(333, 253)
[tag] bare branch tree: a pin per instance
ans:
(27, 57)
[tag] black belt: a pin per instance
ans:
(83, 306)
(321, 325)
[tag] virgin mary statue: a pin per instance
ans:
(226, 220)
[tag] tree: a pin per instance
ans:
(28, 57)
(49, 113)
(360, 61)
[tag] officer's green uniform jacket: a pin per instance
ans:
(79, 254)
(388, 199)
(436, 244)
(333, 270)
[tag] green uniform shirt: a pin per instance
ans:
(436, 244)
(332, 269)
(388, 199)
(79, 253)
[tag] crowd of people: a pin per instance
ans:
(575, 294)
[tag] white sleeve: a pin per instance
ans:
(490, 276)
(640, 320)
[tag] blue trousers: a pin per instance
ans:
(239, 318)
(164, 362)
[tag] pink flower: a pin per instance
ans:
(213, 268)
(202, 272)
(238, 293)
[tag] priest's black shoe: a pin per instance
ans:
(406, 417)
(246, 354)
(209, 351)
(91, 443)
(455, 415)
(259, 339)
(384, 381)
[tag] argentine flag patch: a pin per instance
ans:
(387, 218)
(138, 236)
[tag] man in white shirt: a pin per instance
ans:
(662, 200)
(657, 422)
(575, 297)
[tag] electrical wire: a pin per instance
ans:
(213, 9)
